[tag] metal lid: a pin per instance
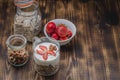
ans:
(23, 3)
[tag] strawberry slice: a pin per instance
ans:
(51, 52)
(62, 30)
(55, 36)
(69, 34)
(40, 52)
(63, 38)
(44, 48)
(45, 56)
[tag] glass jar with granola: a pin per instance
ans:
(27, 20)
(16, 50)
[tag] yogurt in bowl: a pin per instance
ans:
(46, 57)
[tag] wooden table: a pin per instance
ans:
(94, 52)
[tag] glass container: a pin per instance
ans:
(16, 50)
(46, 56)
(27, 20)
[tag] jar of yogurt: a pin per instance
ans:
(46, 56)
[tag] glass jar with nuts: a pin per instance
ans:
(17, 53)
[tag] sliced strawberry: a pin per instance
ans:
(45, 56)
(62, 30)
(40, 52)
(55, 36)
(51, 52)
(44, 48)
(63, 38)
(69, 33)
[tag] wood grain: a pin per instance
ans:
(94, 52)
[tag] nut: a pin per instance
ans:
(52, 47)
(17, 57)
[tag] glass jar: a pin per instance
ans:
(27, 20)
(46, 56)
(16, 50)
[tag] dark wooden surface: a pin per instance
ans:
(93, 54)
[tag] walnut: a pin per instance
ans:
(52, 47)
(17, 57)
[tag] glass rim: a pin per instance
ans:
(31, 12)
(16, 47)
(51, 40)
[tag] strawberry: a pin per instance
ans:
(40, 52)
(50, 28)
(43, 51)
(44, 48)
(45, 56)
(69, 33)
(51, 52)
(63, 38)
(62, 30)
(55, 36)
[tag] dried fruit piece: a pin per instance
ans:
(40, 52)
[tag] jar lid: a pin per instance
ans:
(23, 3)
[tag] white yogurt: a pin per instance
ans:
(52, 60)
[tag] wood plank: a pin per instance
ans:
(93, 54)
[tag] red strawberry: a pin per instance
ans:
(62, 30)
(50, 28)
(44, 48)
(63, 38)
(40, 52)
(69, 33)
(45, 56)
(51, 52)
(55, 36)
